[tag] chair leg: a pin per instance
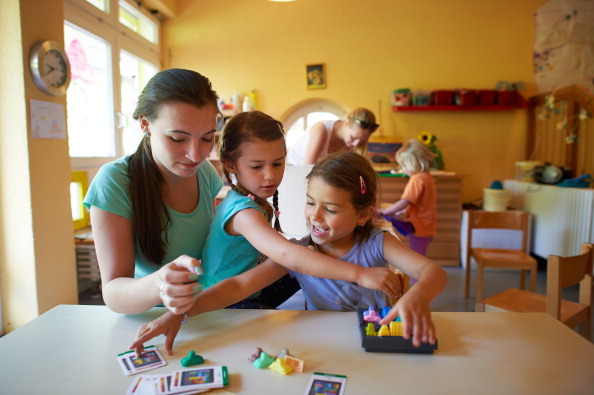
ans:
(585, 329)
(522, 279)
(479, 282)
(533, 274)
(467, 279)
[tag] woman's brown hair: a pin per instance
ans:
(150, 218)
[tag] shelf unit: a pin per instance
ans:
(445, 247)
(430, 108)
(521, 103)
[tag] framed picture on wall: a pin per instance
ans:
(316, 76)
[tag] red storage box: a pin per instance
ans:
(466, 97)
(487, 97)
(442, 98)
(507, 98)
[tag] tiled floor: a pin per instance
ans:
(451, 299)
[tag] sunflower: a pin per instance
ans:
(426, 138)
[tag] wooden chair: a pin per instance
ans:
(561, 272)
(405, 279)
(498, 257)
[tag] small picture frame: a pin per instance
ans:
(316, 76)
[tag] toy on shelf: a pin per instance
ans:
(388, 338)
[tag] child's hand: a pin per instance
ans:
(178, 285)
(416, 318)
(381, 279)
(168, 324)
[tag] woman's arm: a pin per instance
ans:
(318, 134)
(220, 295)
(122, 293)
(413, 306)
(253, 226)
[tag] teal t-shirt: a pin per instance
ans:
(226, 255)
(110, 191)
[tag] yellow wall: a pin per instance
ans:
(371, 48)
(37, 264)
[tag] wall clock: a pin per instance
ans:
(49, 67)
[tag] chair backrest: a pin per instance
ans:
(508, 220)
(566, 271)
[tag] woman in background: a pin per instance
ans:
(326, 137)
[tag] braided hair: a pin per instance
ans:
(247, 127)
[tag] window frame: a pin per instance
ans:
(107, 26)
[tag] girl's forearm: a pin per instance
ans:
(398, 206)
(307, 261)
(236, 289)
(431, 281)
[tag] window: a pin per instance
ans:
(78, 189)
(112, 56)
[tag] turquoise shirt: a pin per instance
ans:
(226, 255)
(110, 191)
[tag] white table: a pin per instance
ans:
(72, 350)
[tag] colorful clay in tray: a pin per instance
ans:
(388, 342)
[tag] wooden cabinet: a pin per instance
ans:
(445, 247)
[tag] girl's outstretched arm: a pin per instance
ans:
(414, 306)
(220, 295)
(253, 226)
(395, 209)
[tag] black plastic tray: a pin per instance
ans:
(394, 344)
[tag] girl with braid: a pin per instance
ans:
(252, 152)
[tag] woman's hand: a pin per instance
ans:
(178, 283)
(381, 279)
(168, 324)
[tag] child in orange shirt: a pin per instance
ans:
(414, 214)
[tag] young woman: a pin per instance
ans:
(151, 211)
(326, 137)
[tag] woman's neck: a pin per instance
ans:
(182, 194)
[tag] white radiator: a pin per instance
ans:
(563, 217)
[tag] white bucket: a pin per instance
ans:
(495, 199)
(524, 170)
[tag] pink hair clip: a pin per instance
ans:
(277, 214)
(251, 196)
(363, 189)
